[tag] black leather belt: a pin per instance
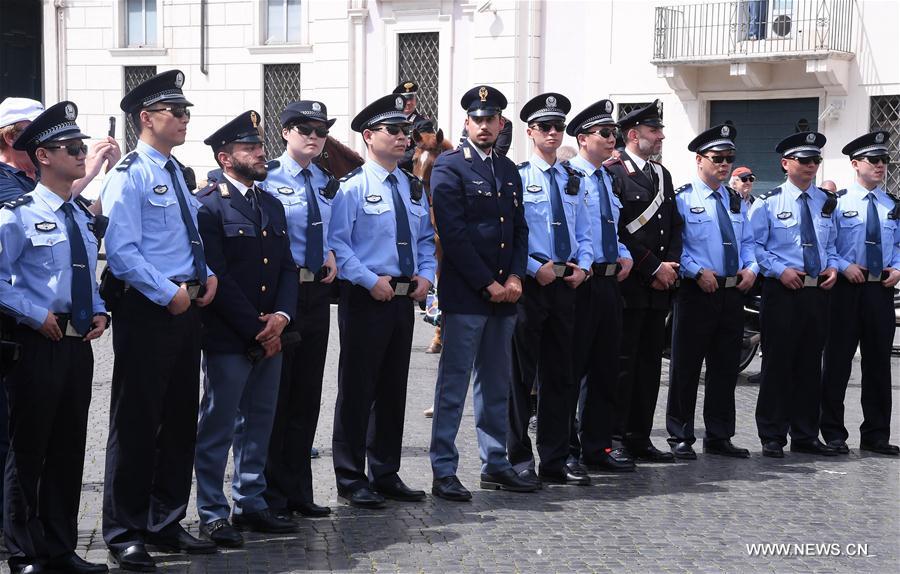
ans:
(403, 286)
(605, 269)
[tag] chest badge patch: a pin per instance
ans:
(785, 215)
(533, 188)
(373, 198)
(160, 189)
(698, 209)
(851, 213)
(285, 190)
(45, 226)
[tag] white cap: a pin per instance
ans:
(13, 110)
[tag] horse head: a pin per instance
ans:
(429, 145)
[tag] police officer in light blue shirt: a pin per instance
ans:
(862, 307)
(155, 250)
(559, 257)
(306, 191)
(383, 241)
(598, 305)
(794, 232)
(48, 258)
(718, 266)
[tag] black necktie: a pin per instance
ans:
(314, 237)
(874, 255)
(607, 223)
(193, 235)
(81, 275)
(812, 264)
(726, 230)
(559, 225)
(404, 237)
(251, 199)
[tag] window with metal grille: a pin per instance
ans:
(281, 86)
(134, 75)
(418, 62)
(884, 114)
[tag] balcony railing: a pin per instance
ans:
(751, 30)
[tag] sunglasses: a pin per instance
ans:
(73, 149)
(745, 178)
(547, 126)
(807, 160)
(877, 159)
(393, 130)
(178, 112)
(604, 132)
(721, 158)
(306, 130)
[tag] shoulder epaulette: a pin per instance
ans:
(770, 193)
(572, 170)
(612, 161)
(190, 178)
(894, 213)
(210, 187)
(85, 205)
(685, 187)
(841, 192)
(272, 164)
(734, 199)
(18, 202)
(415, 185)
(523, 164)
(351, 174)
(830, 202)
(126, 161)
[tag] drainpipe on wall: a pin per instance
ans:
(60, 25)
(358, 12)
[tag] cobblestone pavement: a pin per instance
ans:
(691, 517)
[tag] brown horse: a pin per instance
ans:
(428, 147)
(338, 158)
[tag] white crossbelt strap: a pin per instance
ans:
(651, 210)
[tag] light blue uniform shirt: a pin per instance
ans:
(363, 229)
(851, 215)
(702, 239)
(539, 215)
(286, 184)
(776, 229)
(593, 199)
(36, 258)
(147, 242)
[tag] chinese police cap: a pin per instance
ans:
(483, 101)
(15, 110)
(545, 107)
(242, 129)
(869, 145)
(304, 111)
(407, 89)
(164, 87)
(716, 138)
(803, 144)
(596, 114)
(646, 116)
(56, 123)
(385, 110)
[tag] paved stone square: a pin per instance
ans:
(688, 517)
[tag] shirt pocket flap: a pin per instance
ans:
(239, 230)
(849, 221)
(376, 208)
(698, 217)
(529, 197)
(159, 201)
(784, 223)
(47, 239)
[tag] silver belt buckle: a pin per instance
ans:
(401, 288)
(873, 278)
(306, 276)
(559, 269)
(731, 282)
(810, 281)
(70, 330)
(193, 291)
(610, 269)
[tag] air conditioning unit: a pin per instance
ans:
(781, 19)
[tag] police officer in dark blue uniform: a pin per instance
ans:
(47, 283)
(868, 249)
(246, 243)
(158, 278)
(478, 209)
(794, 232)
(409, 91)
(383, 242)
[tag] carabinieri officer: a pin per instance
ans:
(559, 253)
(154, 249)
(794, 234)
(383, 241)
(718, 266)
(306, 191)
(47, 284)
(868, 249)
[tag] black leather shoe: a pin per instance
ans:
(569, 474)
(683, 451)
(222, 533)
(724, 448)
(507, 480)
(74, 564)
(309, 509)
(134, 559)
(839, 445)
(528, 475)
(450, 488)
(607, 461)
(814, 446)
(395, 489)
(881, 447)
(363, 497)
(28, 568)
(180, 540)
(650, 453)
(263, 521)
(773, 449)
